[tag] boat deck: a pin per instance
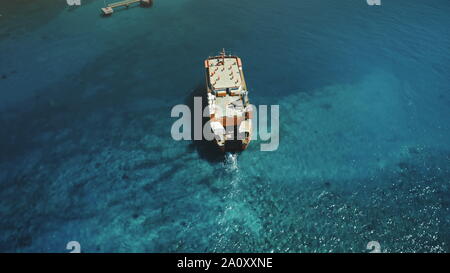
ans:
(229, 106)
(224, 73)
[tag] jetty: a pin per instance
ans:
(109, 9)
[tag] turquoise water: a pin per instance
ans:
(86, 152)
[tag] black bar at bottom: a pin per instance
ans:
(220, 262)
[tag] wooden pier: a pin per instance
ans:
(109, 9)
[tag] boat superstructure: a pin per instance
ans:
(229, 107)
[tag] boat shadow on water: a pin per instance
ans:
(207, 150)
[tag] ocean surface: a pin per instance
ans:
(86, 153)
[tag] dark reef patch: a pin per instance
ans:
(24, 16)
(326, 106)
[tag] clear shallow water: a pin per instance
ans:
(364, 110)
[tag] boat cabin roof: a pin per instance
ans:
(224, 73)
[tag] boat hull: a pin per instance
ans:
(235, 128)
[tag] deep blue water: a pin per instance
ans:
(364, 154)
